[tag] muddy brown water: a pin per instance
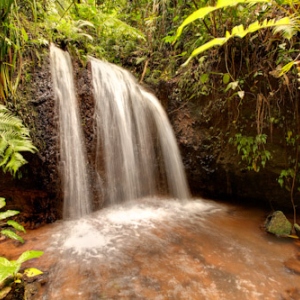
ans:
(161, 249)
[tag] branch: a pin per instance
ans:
(203, 20)
(145, 70)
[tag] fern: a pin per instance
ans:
(14, 138)
(112, 23)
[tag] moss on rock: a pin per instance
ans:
(278, 224)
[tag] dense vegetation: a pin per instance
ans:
(256, 74)
(251, 78)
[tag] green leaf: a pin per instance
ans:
(6, 271)
(31, 272)
(8, 268)
(286, 68)
(210, 44)
(12, 235)
(239, 31)
(204, 78)
(202, 12)
(140, 60)
(16, 225)
(14, 138)
(29, 255)
(226, 78)
(8, 213)
(199, 14)
(4, 262)
(2, 202)
(25, 36)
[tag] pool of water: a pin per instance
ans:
(161, 249)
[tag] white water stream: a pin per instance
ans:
(137, 154)
(73, 161)
(136, 150)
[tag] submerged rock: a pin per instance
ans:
(292, 293)
(278, 224)
(293, 264)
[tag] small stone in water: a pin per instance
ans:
(278, 224)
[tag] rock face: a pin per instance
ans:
(36, 193)
(203, 127)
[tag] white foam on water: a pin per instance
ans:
(110, 230)
(84, 236)
(135, 216)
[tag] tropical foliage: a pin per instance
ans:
(10, 269)
(10, 278)
(290, 24)
(249, 49)
(7, 214)
(14, 138)
(282, 16)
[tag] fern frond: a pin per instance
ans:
(288, 31)
(122, 28)
(6, 157)
(9, 122)
(110, 22)
(14, 138)
(3, 145)
(15, 162)
(82, 23)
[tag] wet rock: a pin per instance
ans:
(278, 224)
(32, 289)
(293, 264)
(33, 285)
(214, 169)
(291, 294)
(41, 278)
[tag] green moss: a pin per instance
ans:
(278, 224)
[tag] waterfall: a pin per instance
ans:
(136, 150)
(73, 161)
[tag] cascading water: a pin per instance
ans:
(149, 248)
(73, 160)
(130, 123)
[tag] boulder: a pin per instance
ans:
(278, 224)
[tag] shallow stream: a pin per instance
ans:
(161, 249)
